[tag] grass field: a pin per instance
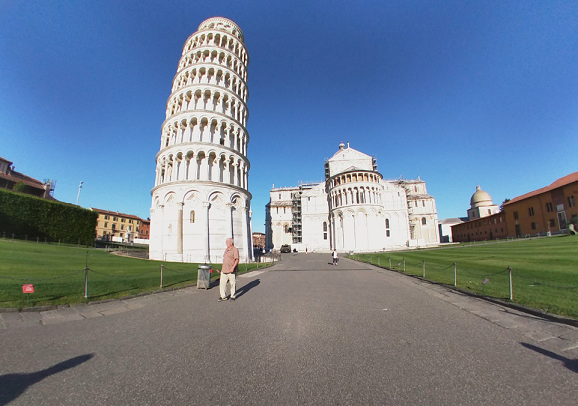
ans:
(544, 270)
(57, 274)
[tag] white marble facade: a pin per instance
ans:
(355, 209)
(201, 194)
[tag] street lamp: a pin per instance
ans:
(78, 196)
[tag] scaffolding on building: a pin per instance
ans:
(296, 226)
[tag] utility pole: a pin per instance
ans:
(78, 196)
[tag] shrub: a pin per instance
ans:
(37, 217)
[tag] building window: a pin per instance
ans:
(533, 226)
(115, 219)
(122, 220)
(423, 203)
(549, 207)
(324, 236)
(325, 226)
(113, 226)
(284, 210)
(552, 223)
(416, 203)
(279, 196)
(130, 221)
(386, 223)
(192, 216)
(531, 211)
(277, 210)
(571, 201)
(122, 227)
(423, 221)
(387, 233)
(515, 215)
(489, 211)
(106, 217)
(105, 224)
(500, 219)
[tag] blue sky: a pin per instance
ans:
(459, 93)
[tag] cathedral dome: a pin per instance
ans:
(480, 198)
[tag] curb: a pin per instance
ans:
(95, 302)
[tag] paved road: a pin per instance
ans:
(300, 333)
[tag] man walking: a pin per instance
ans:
(230, 262)
(335, 257)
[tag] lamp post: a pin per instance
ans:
(78, 196)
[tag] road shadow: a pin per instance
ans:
(571, 364)
(245, 288)
(14, 385)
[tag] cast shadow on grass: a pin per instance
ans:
(14, 385)
(571, 364)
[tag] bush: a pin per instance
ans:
(37, 217)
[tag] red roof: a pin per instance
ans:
(16, 177)
(117, 214)
(566, 180)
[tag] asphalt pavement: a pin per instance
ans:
(302, 332)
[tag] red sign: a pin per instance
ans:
(28, 288)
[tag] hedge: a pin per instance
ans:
(40, 218)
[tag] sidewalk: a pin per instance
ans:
(551, 335)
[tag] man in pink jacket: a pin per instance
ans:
(230, 262)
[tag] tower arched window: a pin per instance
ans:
(423, 221)
(192, 216)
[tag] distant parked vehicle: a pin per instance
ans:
(285, 248)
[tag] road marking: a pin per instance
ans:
(251, 274)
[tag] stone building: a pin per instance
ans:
(481, 205)
(114, 224)
(355, 209)
(11, 179)
(484, 221)
(201, 194)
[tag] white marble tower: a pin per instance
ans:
(201, 194)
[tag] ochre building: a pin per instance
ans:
(549, 209)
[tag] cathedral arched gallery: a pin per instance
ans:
(355, 209)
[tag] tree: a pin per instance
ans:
(21, 187)
(506, 200)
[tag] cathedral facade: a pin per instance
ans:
(355, 209)
(201, 193)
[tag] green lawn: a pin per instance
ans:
(57, 274)
(544, 270)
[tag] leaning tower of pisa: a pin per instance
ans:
(201, 193)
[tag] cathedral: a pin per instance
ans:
(355, 209)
